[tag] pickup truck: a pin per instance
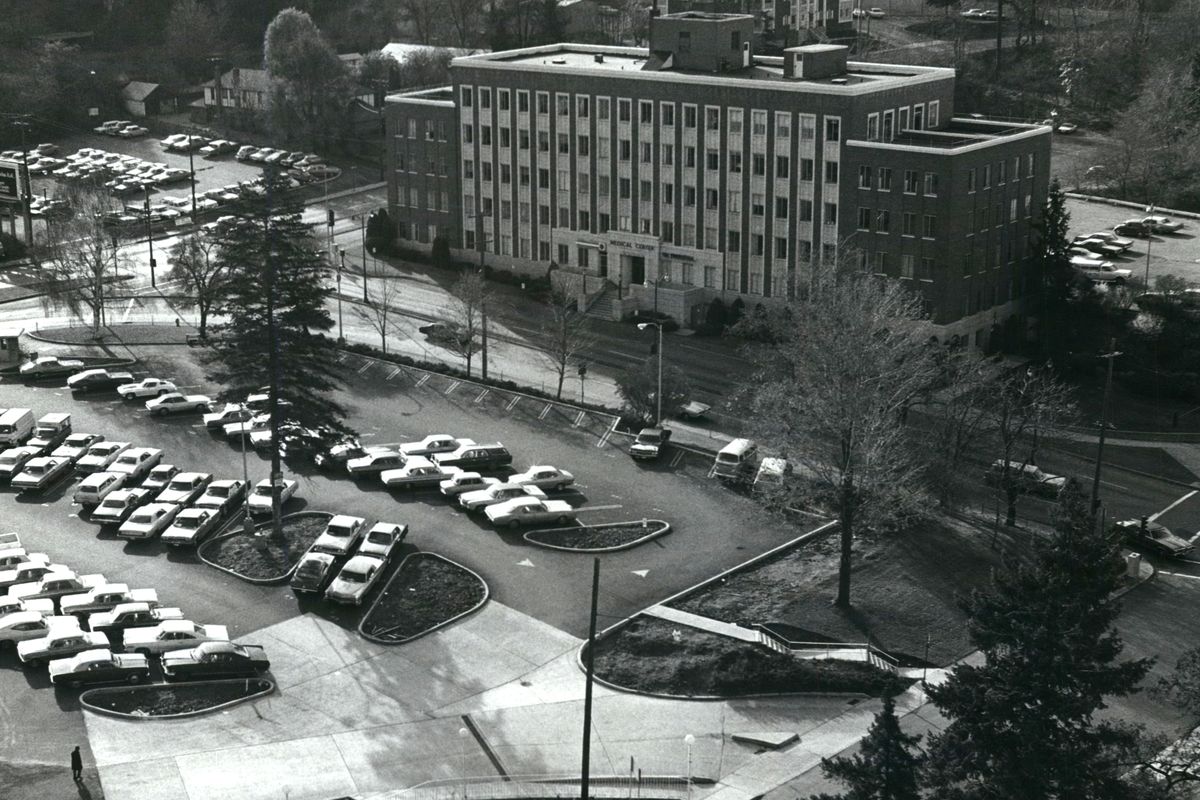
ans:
(650, 443)
(58, 643)
(99, 666)
(56, 584)
(105, 597)
(95, 381)
(173, 635)
(40, 473)
(130, 615)
(47, 366)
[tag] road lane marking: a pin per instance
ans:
(452, 387)
(366, 366)
(678, 457)
(1113, 485)
(712, 470)
(545, 411)
(641, 573)
(599, 508)
(424, 379)
(1179, 575)
(525, 563)
(1195, 536)
(579, 419)
(395, 371)
(513, 403)
(1186, 497)
(481, 395)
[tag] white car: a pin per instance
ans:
(1112, 238)
(222, 496)
(355, 580)
(29, 572)
(374, 461)
(60, 642)
(92, 667)
(55, 584)
(184, 488)
(136, 463)
(434, 443)
(418, 472)
(21, 626)
(527, 510)
(120, 504)
(175, 634)
(230, 414)
(1105, 273)
(176, 403)
(148, 521)
(236, 430)
(340, 535)
(146, 387)
(100, 456)
(45, 366)
(1160, 224)
(76, 445)
(106, 597)
(159, 477)
(1080, 261)
(14, 459)
(132, 132)
(466, 482)
(11, 605)
(260, 499)
(543, 477)
(382, 539)
(11, 557)
(501, 492)
(191, 526)
(130, 615)
(40, 473)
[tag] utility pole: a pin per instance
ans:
(362, 227)
(192, 178)
(1111, 356)
(150, 237)
(589, 663)
(483, 362)
(23, 125)
(1149, 241)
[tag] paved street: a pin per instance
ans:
(1177, 253)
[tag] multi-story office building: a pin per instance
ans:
(695, 169)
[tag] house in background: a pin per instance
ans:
(239, 88)
(143, 99)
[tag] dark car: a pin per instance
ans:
(476, 457)
(94, 381)
(215, 660)
(1133, 227)
(650, 443)
(313, 573)
(335, 457)
(1155, 537)
(445, 333)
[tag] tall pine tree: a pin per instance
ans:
(275, 304)
(886, 768)
(1023, 724)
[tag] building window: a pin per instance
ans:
(1032, 159)
(647, 152)
(689, 156)
(485, 171)
(712, 119)
(485, 98)
(624, 149)
(758, 123)
(689, 196)
(872, 127)
(930, 226)
(926, 273)
(668, 231)
(623, 110)
(564, 255)
(885, 179)
(712, 199)
(522, 102)
(505, 141)
(523, 139)
(831, 213)
(756, 282)
(646, 112)
(805, 210)
(710, 277)
(734, 241)
(602, 107)
(757, 205)
(468, 134)
(689, 235)
(564, 144)
(563, 103)
(468, 169)
(910, 181)
(543, 142)
(910, 224)
(831, 172)
(689, 116)
(783, 125)
(781, 247)
(602, 185)
(712, 159)
(582, 105)
(429, 131)
(883, 221)
(931, 184)
(734, 203)
(666, 114)
(880, 262)
(467, 99)
(808, 127)
(602, 148)
(806, 169)
(735, 161)
(668, 194)
(932, 120)
(971, 180)
(759, 164)
(903, 119)
(543, 178)
(781, 207)
(485, 135)
(757, 243)
(624, 188)
(987, 176)
(864, 218)
(888, 132)
(685, 42)
(783, 167)
(644, 191)
(733, 280)
(583, 146)
(833, 129)
(1001, 172)
(505, 173)
(711, 241)
(564, 217)
(668, 155)
(505, 209)
(907, 265)
(583, 183)
(735, 121)
(918, 117)
(864, 177)
(502, 99)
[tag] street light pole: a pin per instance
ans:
(150, 238)
(658, 395)
(192, 178)
(1149, 242)
(483, 353)
(341, 268)
(362, 227)
(26, 197)
(1111, 355)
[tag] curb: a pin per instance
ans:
(666, 528)
(108, 712)
(1108, 201)
(231, 534)
(487, 593)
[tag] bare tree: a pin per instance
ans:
(378, 313)
(958, 415)
(466, 19)
(80, 257)
(202, 275)
(469, 298)
(831, 391)
(424, 17)
(566, 331)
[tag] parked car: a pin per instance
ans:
(650, 443)
(191, 527)
(340, 535)
(1154, 537)
(500, 493)
(175, 634)
(230, 414)
(435, 443)
(234, 431)
(100, 456)
(99, 666)
(119, 504)
(215, 660)
(1112, 239)
(146, 387)
(544, 477)
(1160, 224)
(159, 477)
(176, 403)
(313, 572)
(529, 510)
(1105, 273)
(11, 605)
(477, 457)
(54, 585)
(49, 366)
(1098, 246)
(148, 521)
(222, 496)
(14, 459)
(260, 499)
(463, 482)
(184, 488)
(417, 473)
(374, 461)
(132, 132)
(92, 490)
(1135, 228)
(244, 152)
(95, 381)
(21, 626)
(382, 539)
(114, 621)
(76, 445)
(355, 579)
(136, 463)
(336, 456)
(218, 147)
(61, 642)
(28, 572)
(40, 473)
(1029, 478)
(105, 597)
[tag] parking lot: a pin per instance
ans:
(1176, 253)
(713, 528)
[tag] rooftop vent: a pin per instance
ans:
(599, 58)
(558, 61)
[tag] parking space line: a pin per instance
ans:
(1183, 499)
(454, 385)
(424, 379)
(712, 470)
(545, 411)
(1195, 536)
(609, 507)
(678, 457)
(482, 395)
(579, 419)
(1163, 572)
(395, 371)
(513, 403)
(366, 366)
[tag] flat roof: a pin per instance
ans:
(961, 134)
(639, 63)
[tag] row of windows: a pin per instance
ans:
(435, 130)
(914, 182)
(404, 163)
(879, 220)
(410, 197)
(883, 126)
(911, 266)
(981, 178)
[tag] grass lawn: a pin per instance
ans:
(424, 592)
(165, 333)
(655, 655)
(1152, 460)
(1133, 411)
(903, 589)
(263, 557)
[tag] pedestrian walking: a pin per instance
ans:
(76, 765)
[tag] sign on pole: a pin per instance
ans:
(10, 189)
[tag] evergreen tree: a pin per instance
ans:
(275, 302)
(886, 768)
(1022, 725)
(1051, 244)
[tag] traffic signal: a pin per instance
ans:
(583, 370)
(330, 217)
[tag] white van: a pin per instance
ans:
(16, 426)
(736, 460)
(97, 486)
